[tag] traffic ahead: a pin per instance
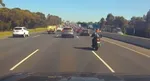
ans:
(42, 52)
(69, 40)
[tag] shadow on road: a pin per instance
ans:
(16, 37)
(84, 48)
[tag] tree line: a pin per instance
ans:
(88, 24)
(10, 18)
(1, 3)
(137, 26)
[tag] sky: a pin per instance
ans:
(83, 10)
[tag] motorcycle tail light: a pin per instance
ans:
(98, 39)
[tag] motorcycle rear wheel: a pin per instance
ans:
(96, 48)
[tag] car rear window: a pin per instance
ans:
(17, 28)
(58, 30)
(69, 29)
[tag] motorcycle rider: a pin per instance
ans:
(95, 35)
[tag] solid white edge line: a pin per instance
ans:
(127, 48)
(104, 62)
(23, 60)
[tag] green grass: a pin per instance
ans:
(5, 34)
(37, 30)
(126, 34)
(9, 33)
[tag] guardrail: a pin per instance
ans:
(139, 41)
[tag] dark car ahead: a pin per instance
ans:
(84, 33)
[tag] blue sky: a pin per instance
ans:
(83, 10)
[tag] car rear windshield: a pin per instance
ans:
(17, 28)
(67, 29)
(58, 30)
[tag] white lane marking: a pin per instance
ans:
(77, 36)
(23, 60)
(36, 36)
(104, 62)
(128, 48)
(90, 35)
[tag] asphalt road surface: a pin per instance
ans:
(45, 53)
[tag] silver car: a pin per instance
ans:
(67, 32)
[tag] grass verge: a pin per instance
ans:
(36, 30)
(9, 33)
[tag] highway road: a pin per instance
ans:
(45, 53)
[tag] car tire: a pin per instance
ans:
(24, 35)
(72, 36)
(13, 36)
(62, 36)
(28, 35)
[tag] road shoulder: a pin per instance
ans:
(128, 46)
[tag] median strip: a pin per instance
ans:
(23, 60)
(103, 62)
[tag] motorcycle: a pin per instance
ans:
(96, 44)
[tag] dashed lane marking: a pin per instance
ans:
(103, 62)
(24, 60)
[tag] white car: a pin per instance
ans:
(59, 29)
(20, 31)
